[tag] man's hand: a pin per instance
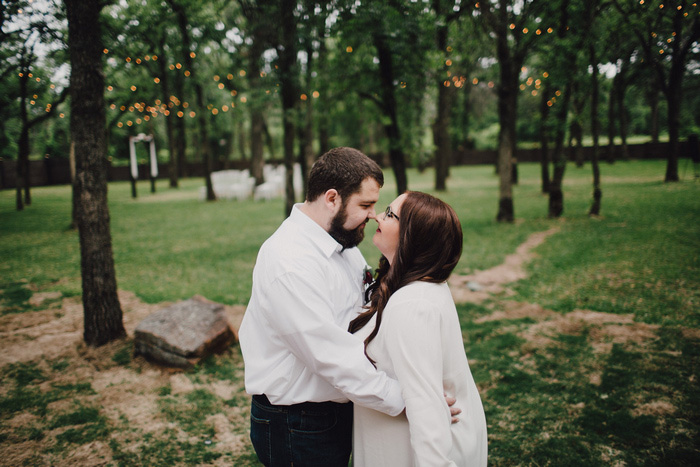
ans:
(454, 411)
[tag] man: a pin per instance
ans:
(301, 365)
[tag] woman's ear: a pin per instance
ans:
(333, 200)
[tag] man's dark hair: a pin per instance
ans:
(342, 169)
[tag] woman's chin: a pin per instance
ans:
(374, 240)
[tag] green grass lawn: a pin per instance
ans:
(606, 374)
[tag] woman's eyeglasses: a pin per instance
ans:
(389, 213)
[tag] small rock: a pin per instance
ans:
(474, 286)
(183, 334)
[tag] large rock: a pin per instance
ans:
(183, 334)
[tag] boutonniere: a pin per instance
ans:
(367, 275)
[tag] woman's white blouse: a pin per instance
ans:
(420, 344)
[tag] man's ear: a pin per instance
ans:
(332, 200)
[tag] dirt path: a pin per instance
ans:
(606, 328)
(477, 287)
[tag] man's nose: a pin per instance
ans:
(371, 214)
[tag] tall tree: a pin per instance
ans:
(260, 37)
(667, 32)
(543, 133)
(101, 307)
(288, 72)
(388, 43)
(513, 23)
(567, 68)
(445, 12)
(188, 54)
(26, 29)
(592, 25)
(27, 123)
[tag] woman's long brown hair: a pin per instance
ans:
(430, 245)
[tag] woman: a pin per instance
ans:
(412, 332)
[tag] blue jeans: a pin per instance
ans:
(306, 434)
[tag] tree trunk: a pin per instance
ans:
(595, 133)
(441, 135)
(165, 95)
(654, 115)
(241, 140)
(575, 141)
(544, 140)
(324, 103)
(673, 124)
(306, 133)
(257, 160)
(441, 138)
(202, 113)
(611, 121)
(556, 195)
(507, 106)
(180, 139)
(289, 95)
(622, 115)
(23, 144)
(386, 72)
(101, 308)
(680, 48)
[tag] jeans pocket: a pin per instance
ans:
(314, 421)
(260, 434)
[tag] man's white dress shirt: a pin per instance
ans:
(294, 338)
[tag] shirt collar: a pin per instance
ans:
(319, 236)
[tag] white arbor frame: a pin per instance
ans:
(132, 153)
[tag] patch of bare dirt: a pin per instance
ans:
(605, 329)
(659, 408)
(124, 394)
(518, 310)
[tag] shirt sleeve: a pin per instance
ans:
(414, 343)
(303, 320)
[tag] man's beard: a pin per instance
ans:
(346, 238)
